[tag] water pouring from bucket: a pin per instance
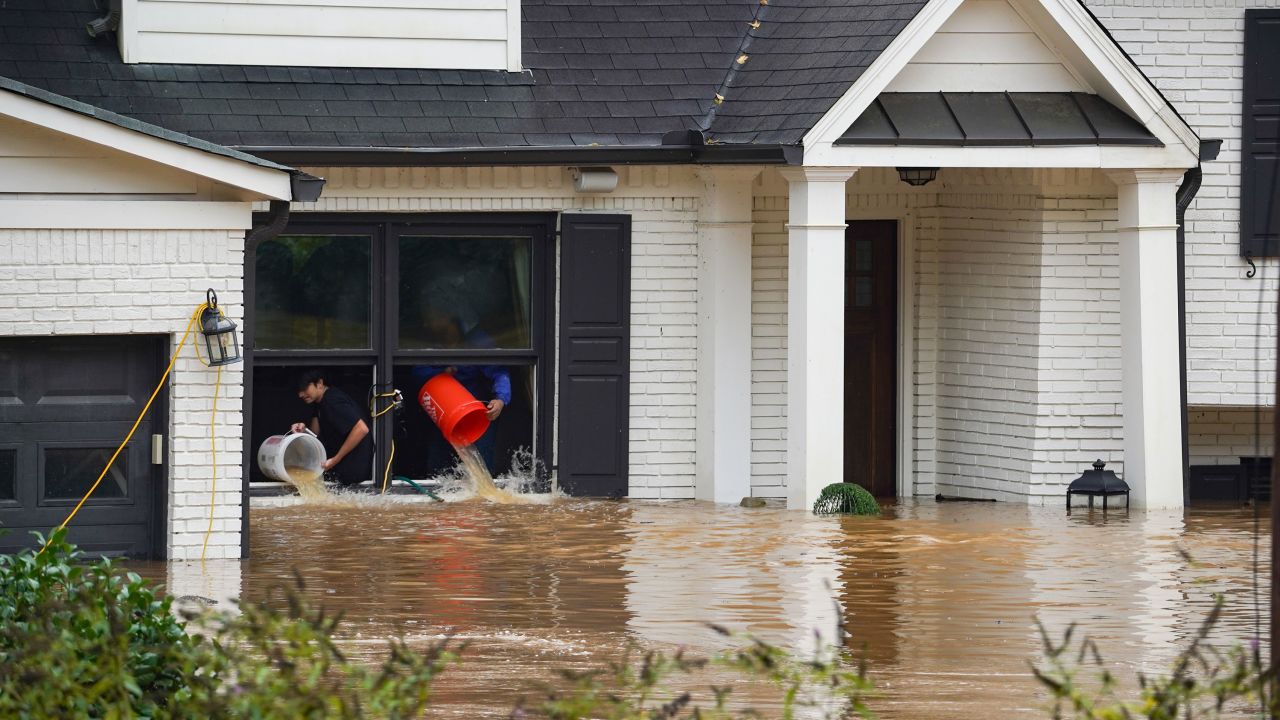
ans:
(462, 420)
(295, 458)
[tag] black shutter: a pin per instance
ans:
(595, 349)
(1260, 136)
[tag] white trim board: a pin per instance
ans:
(1087, 52)
(124, 215)
(252, 182)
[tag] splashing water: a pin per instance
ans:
(471, 478)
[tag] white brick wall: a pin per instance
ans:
(1222, 435)
(1193, 51)
(663, 205)
(146, 282)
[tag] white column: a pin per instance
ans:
(815, 331)
(723, 445)
(1147, 230)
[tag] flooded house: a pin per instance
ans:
(721, 248)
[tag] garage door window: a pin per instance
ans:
(8, 474)
(70, 472)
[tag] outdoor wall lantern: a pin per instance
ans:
(220, 341)
(1098, 482)
(917, 176)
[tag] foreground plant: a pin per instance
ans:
(88, 640)
(1204, 682)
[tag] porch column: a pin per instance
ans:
(1147, 230)
(815, 331)
(723, 423)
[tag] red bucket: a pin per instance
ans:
(461, 417)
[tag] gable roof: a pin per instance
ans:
(260, 178)
(609, 73)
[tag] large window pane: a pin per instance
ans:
(70, 472)
(464, 292)
(313, 292)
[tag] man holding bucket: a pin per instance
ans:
(340, 425)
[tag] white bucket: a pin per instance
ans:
(294, 450)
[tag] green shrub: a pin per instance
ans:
(845, 498)
(88, 640)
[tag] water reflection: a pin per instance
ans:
(943, 597)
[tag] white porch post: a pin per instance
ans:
(1148, 232)
(723, 424)
(815, 331)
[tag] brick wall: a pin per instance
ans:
(663, 205)
(1193, 51)
(146, 282)
(1223, 435)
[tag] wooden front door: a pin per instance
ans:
(870, 355)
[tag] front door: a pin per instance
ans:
(66, 403)
(870, 355)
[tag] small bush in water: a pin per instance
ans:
(845, 498)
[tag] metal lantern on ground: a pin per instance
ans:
(221, 344)
(1097, 482)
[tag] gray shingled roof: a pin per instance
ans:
(615, 73)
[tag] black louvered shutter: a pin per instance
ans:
(595, 350)
(1260, 136)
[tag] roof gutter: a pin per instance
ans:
(684, 153)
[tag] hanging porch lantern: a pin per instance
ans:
(1098, 482)
(222, 347)
(917, 176)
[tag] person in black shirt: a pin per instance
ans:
(340, 425)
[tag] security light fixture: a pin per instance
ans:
(1098, 482)
(220, 341)
(917, 176)
(594, 179)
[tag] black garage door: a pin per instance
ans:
(65, 404)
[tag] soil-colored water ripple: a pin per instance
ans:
(943, 597)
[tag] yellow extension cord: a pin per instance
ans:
(386, 474)
(212, 435)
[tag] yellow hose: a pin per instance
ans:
(136, 422)
(213, 448)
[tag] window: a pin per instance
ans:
(382, 302)
(1260, 136)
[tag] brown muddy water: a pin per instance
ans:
(943, 596)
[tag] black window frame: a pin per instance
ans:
(1255, 241)
(384, 230)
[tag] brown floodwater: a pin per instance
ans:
(944, 597)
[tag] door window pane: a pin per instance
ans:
(70, 472)
(313, 292)
(464, 292)
(8, 474)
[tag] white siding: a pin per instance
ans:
(450, 34)
(663, 205)
(1193, 51)
(121, 282)
(36, 161)
(986, 46)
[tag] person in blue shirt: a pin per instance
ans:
(490, 384)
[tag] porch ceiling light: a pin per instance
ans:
(1098, 482)
(220, 341)
(917, 176)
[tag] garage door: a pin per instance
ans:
(65, 404)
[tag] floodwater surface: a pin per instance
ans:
(943, 597)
